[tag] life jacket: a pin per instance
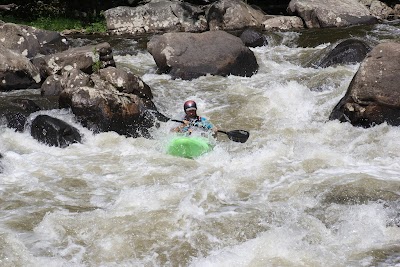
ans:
(198, 122)
(193, 120)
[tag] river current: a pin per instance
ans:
(302, 191)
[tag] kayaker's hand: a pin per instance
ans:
(180, 128)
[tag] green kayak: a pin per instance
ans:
(189, 147)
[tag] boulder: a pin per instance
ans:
(396, 11)
(283, 23)
(106, 56)
(153, 17)
(253, 38)
(54, 132)
(348, 51)
(16, 71)
(85, 58)
(111, 99)
(331, 13)
(29, 41)
(108, 110)
(373, 96)
(17, 112)
(233, 15)
(191, 55)
(16, 121)
(177, 16)
(378, 8)
(125, 81)
(51, 86)
(73, 78)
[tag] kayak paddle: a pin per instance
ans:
(240, 136)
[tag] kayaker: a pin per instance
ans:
(193, 121)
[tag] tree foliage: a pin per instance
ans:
(90, 10)
(87, 10)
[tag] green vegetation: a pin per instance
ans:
(60, 24)
(96, 27)
(58, 15)
(96, 66)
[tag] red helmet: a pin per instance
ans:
(189, 105)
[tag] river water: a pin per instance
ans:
(302, 191)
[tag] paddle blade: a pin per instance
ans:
(240, 136)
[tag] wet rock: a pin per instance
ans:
(348, 51)
(18, 111)
(373, 96)
(16, 121)
(253, 38)
(107, 109)
(54, 132)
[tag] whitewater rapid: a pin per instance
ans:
(302, 191)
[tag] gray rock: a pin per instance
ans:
(108, 110)
(253, 38)
(155, 17)
(283, 23)
(331, 13)
(16, 71)
(233, 15)
(51, 86)
(83, 58)
(125, 81)
(191, 55)
(29, 41)
(373, 96)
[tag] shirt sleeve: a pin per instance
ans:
(206, 123)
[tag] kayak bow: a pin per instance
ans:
(189, 147)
